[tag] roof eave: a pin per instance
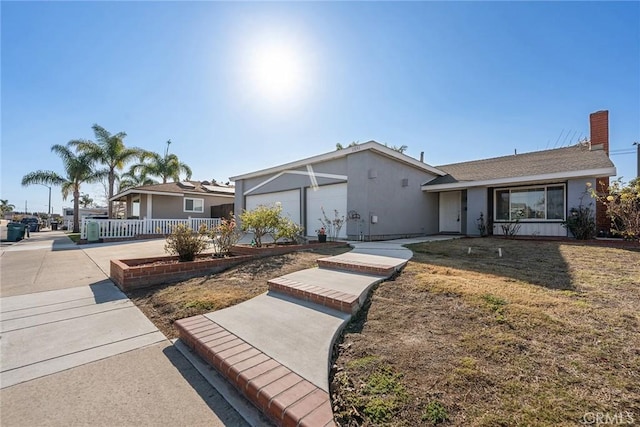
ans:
(610, 171)
(371, 145)
(138, 191)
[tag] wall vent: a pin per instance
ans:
(405, 182)
(373, 173)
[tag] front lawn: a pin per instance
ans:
(547, 334)
(167, 303)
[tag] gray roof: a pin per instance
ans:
(184, 187)
(568, 159)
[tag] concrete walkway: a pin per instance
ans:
(76, 351)
(276, 348)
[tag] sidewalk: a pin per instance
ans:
(76, 351)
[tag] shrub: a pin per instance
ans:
(623, 207)
(511, 229)
(225, 235)
(287, 229)
(581, 222)
(186, 243)
(435, 413)
(482, 225)
(261, 221)
(332, 226)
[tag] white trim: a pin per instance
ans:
(311, 175)
(589, 173)
(184, 205)
(149, 206)
(371, 145)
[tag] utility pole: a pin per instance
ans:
(637, 144)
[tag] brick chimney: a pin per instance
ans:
(599, 128)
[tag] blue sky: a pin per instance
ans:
(458, 80)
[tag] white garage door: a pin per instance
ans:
(290, 201)
(330, 198)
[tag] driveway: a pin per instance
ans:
(76, 351)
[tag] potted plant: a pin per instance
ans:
(322, 235)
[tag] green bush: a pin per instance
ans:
(435, 413)
(186, 243)
(261, 221)
(287, 229)
(581, 221)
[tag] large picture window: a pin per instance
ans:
(193, 205)
(539, 203)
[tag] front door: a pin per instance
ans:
(450, 218)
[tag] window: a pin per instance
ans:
(193, 205)
(540, 203)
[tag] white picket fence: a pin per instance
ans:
(123, 228)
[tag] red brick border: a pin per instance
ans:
(129, 274)
(281, 394)
(345, 302)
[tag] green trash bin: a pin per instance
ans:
(15, 231)
(93, 232)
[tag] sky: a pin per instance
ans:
(242, 86)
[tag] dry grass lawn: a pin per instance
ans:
(542, 336)
(167, 303)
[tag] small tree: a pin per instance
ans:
(225, 236)
(261, 221)
(332, 226)
(186, 243)
(623, 207)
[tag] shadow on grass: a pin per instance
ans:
(539, 263)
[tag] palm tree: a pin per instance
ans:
(108, 150)
(85, 200)
(78, 170)
(164, 167)
(131, 180)
(5, 206)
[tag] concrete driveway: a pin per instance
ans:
(76, 351)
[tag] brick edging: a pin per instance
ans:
(332, 298)
(281, 394)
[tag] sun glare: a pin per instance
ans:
(276, 71)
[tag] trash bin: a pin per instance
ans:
(15, 231)
(93, 232)
(54, 226)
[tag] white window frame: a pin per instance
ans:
(529, 187)
(184, 205)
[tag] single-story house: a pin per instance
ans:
(177, 200)
(386, 194)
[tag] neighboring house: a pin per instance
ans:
(385, 194)
(67, 214)
(177, 200)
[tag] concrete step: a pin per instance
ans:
(347, 303)
(361, 264)
(339, 290)
(281, 394)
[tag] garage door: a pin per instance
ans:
(330, 197)
(290, 201)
